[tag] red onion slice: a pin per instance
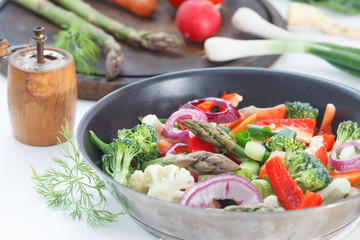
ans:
(221, 187)
(344, 165)
(229, 115)
(171, 149)
(175, 134)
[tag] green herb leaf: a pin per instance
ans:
(81, 46)
(75, 187)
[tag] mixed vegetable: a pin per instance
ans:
(209, 154)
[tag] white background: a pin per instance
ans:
(23, 212)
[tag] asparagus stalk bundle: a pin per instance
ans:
(60, 16)
(158, 41)
(199, 163)
(215, 136)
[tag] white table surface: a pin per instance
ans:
(23, 212)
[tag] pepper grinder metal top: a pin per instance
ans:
(39, 38)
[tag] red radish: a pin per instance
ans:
(198, 20)
(221, 187)
(177, 3)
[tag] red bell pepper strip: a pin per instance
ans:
(305, 128)
(195, 144)
(233, 98)
(326, 139)
(318, 151)
(289, 194)
(262, 171)
(320, 145)
(206, 106)
(310, 199)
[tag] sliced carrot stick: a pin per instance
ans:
(329, 114)
(242, 125)
(144, 8)
(234, 123)
(277, 111)
(164, 144)
(352, 176)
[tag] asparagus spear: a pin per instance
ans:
(199, 163)
(159, 41)
(215, 136)
(60, 16)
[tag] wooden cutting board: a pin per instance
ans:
(16, 24)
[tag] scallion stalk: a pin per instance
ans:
(255, 150)
(259, 132)
(252, 166)
(335, 191)
(279, 41)
(263, 186)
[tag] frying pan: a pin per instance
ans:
(161, 95)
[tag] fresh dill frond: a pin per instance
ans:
(81, 46)
(74, 187)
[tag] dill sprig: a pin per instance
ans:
(76, 188)
(81, 46)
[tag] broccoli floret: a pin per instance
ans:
(300, 110)
(282, 143)
(308, 172)
(116, 162)
(128, 151)
(147, 138)
(347, 131)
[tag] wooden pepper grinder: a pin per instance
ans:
(42, 92)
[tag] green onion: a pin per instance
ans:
(242, 137)
(266, 157)
(263, 186)
(255, 150)
(246, 173)
(252, 166)
(259, 132)
(204, 177)
(220, 49)
(335, 191)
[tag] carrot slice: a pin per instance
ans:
(164, 144)
(242, 125)
(234, 123)
(352, 176)
(277, 111)
(144, 8)
(325, 127)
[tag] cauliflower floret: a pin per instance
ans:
(163, 182)
(168, 182)
(135, 182)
